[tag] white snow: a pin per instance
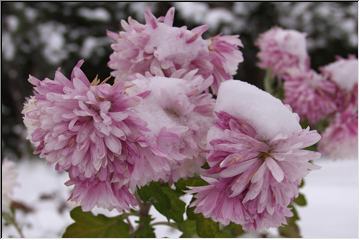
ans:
(97, 14)
(217, 16)
(344, 73)
(267, 114)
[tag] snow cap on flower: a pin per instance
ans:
(282, 50)
(343, 72)
(256, 166)
(9, 176)
(178, 115)
(340, 139)
(310, 95)
(265, 113)
(158, 48)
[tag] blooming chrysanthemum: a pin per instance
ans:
(343, 73)
(92, 129)
(8, 183)
(340, 139)
(282, 50)
(310, 95)
(178, 114)
(256, 159)
(159, 48)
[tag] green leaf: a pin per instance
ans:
(300, 200)
(291, 230)
(183, 184)
(87, 225)
(164, 199)
(145, 230)
(204, 227)
(188, 228)
(232, 230)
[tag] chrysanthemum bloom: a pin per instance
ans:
(282, 50)
(344, 73)
(310, 95)
(94, 129)
(178, 114)
(8, 183)
(107, 191)
(159, 48)
(340, 139)
(256, 159)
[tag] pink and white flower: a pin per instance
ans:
(160, 49)
(340, 139)
(178, 114)
(282, 50)
(310, 95)
(256, 158)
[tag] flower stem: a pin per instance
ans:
(10, 218)
(268, 81)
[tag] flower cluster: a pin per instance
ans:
(315, 96)
(157, 48)
(157, 122)
(255, 166)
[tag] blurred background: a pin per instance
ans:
(39, 37)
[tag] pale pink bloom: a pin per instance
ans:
(80, 124)
(178, 114)
(282, 50)
(225, 57)
(94, 130)
(310, 95)
(254, 175)
(344, 74)
(107, 192)
(160, 49)
(8, 183)
(340, 139)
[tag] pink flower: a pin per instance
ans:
(82, 124)
(340, 139)
(109, 192)
(178, 114)
(281, 50)
(225, 57)
(310, 95)
(344, 74)
(94, 130)
(254, 170)
(160, 49)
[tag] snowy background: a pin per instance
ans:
(37, 38)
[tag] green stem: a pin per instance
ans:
(269, 81)
(10, 218)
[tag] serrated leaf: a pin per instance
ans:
(87, 225)
(183, 184)
(300, 200)
(145, 230)
(188, 228)
(205, 227)
(164, 199)
(291, 230)
(232, 230)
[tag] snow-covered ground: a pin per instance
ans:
(331, 192)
